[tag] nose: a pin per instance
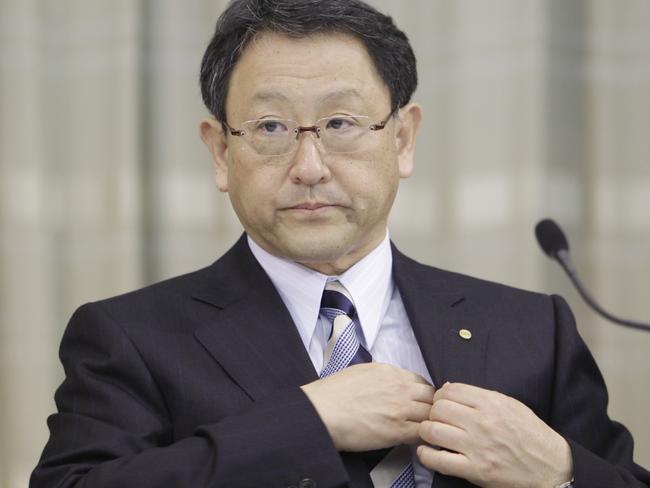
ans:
(307, 165)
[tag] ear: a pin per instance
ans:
(406, 130)
(214, 137)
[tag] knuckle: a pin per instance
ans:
(436, 411)
(412, 390)
(439, 409)
(395, 417)
(498, 399)
(490, 467)
(452, 388)
(426, 392)
(485, 425)
(394, 410)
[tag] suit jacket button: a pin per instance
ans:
(307, 483)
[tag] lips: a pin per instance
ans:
(311, 206)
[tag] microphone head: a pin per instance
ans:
(550, 237)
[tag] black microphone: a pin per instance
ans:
(554, 243)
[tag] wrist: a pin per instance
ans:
(564, 466)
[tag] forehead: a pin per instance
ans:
(321, 69)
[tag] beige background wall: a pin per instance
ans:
(533, 108)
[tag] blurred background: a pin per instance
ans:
(533, 108)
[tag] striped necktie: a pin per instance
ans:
(343, 349)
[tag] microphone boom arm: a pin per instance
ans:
(564, 259)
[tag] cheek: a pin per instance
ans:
(372, 180)
(250, 191)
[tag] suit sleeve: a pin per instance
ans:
(602, 449)
(112, 427)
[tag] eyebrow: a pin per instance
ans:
(340, 94)
(270, 95)
(275, 95)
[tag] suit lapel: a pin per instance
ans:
(248, 329)
(438, 311)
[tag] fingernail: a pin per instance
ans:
(419, 450)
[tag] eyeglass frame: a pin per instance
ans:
(311, 128)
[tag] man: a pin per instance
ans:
(313, 353)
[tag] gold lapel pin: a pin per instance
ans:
(465, 334)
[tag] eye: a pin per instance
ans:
(340, 123)
(270, 127)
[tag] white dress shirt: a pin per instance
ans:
(386, 330)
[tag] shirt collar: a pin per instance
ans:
(369, 282)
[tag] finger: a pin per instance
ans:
(471, 396)
(423, 393)
(452, 413)
(418, 411)
(444, 435)
(445, 462)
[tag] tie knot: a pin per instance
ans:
(336, 301)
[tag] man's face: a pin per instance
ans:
(325, 210)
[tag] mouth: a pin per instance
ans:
(311, 206)
(313, 210)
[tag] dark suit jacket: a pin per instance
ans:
(194, 382)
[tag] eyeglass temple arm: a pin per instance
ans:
(381, 125)
(234, 132)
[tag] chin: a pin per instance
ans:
(314, 247)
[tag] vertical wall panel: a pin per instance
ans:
(532, 108)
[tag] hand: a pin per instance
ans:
(492, 440)
(371, 406)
